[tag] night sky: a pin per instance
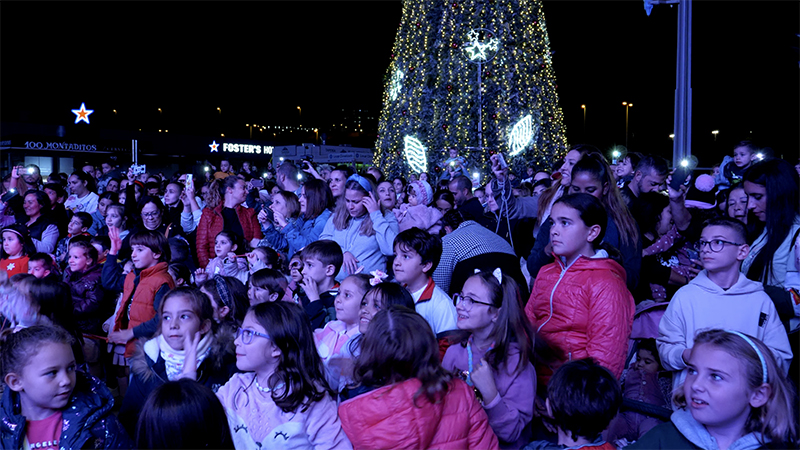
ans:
(258, 61)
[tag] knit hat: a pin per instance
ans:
(702, 193)
(424, 192)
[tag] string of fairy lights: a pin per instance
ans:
(431, 87)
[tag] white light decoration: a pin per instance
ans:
(214, 147)
(82, 114)
(477, 49)
(416, 154)
(396, 84)
(520, 135)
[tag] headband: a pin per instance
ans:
(13, 231)
(758, 352)
(497, 274)
(223, 291)
(363, 182)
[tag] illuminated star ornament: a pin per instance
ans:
(477, 48)
(82, 114)
(415, 154)
(214, 147)
(521, 135)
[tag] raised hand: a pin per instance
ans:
(116, 241)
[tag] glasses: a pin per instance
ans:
(247, 335)
(151, 215)
(716, 245)
(467, 302)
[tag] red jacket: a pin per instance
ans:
(387, 418)
(212, 222)
(584, 310)
(141, 295)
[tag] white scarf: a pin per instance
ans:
(174, 358)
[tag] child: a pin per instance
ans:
(103, 245)
(743, 156)
(99, 217)
(412, 401)
(642, 383)
(228, 300)
(266, 285)
(495, 357)
(186, 321)
(321, 262)
(229, 261)
(183, 414)
(380, 296)
(41, 265)
(77, 226)
(454, 166)
(47, 403)
(283, 394)
(580, 304)
(180, 274)
(417, 255)
(261, 258)
(720, 296)
(17, 246)
(296, 276)
(417, 213)
(582, 398)
(734, 396)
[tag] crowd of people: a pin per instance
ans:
(595, 306)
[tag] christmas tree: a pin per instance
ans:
(442, 53)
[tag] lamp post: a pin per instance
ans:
(715, 133)
(299, 111)
(627, 107)
(583, 107)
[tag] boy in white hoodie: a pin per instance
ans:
(719, 297)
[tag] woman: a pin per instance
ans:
(285, 209)
(315, 202)
(43, 231)
(57, 195)
(400, 184)
(82, 199)
(365, 230)
(228, 214)
(387, 195)
(444, 201)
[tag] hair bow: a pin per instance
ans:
(377, 277)
(497, 274)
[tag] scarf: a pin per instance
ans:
(174, 358)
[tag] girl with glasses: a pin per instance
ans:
(495, 354)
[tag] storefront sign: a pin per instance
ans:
(240, 148)
(70, 146)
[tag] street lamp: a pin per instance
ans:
(219, 110)
(672, 136)
(715, 133)
(583, 107)
(627, 107)
(316, 134)
(300, 111)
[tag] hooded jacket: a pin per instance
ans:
(700, 305)
(90, 305)
(583, 310)
(88, 421)
(388, 418)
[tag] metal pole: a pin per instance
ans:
(682, 143)
(480, 110)
(626, 125)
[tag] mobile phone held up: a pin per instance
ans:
(189, 180)
(9, 195)
(679, 177)
(501, 161)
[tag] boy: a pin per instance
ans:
(103, 245)
(743, 156)
(417, 254)
(582, 398)
(719, 297)
(321, 262)
(77, 226)
(41, 265)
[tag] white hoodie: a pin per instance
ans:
(702, 304)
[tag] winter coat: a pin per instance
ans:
(91, 306)
(212, 222)
(148, 370)
(88, 421)
(583, 310)
(389, 418)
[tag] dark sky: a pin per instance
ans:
(258, 61)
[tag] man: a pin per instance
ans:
(650, 176)
(466, 202)
(286, 177)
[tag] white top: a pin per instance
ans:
(87, 204)
(439, 311)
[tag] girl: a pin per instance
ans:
(399, 184)
(387, 195)
(283, 394)
(379, 297)
(83, 198)
(414, 403)
(267, 285)
(285, 209)
(48, 404)
(17, 246)
(99, 217)
(417, 213)
(228, 299)
(186, 320)
(366, 231)
(579, 304)
(444, 201)
(262, 258)
(229, 262)
(331, 339)
(496, 355)
(734, 396)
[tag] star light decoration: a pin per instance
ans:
(214, 147)
(396, 84)
(520, 135)
(477, 49)
(82, 114)
(416, 154)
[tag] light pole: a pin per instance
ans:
(299, 112)
(715, 133)
(583, 107)
(627, 107)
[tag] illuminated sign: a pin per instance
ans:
(415, 154)
(241, 148)
(61, 146)
(521, 135)
(82, 114)
(476, 47)
(214, 146)
(396, 84)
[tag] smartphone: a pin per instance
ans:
(139, 169)
(692, 254)
(501, 160)
(9, 195)
(679, 177)
(258, 184)
(189, 180)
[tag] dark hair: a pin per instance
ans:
(647, 211)
(427, 246)
(102, 241)
(442, 194)
(748, 144)
(57, 188)
(289, 170)
(735, 225)
(462, 183)
(108, 195)
(649, 344)
(121, 211)
(153, 240)
(300, 368)
(347, 170)
(652, 163)
(452, 219)
(88, 250)
(318, 198)
(47, 260)
(400, 345)
(635, 158)
(391, 294)
(145, 199)
(85, 178)
(41, 198)
(327, 252)
(226, 183)
(235, 240)
(183, 414)
(18, 348)
(780, 181)
(583, 397)
(181, 271)
(200, 303)
(292, 204)
(590, 210)
(24, 237)
(85, 218)
(233, 295)
(271, 280)
(54, 301)
(271, 257)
